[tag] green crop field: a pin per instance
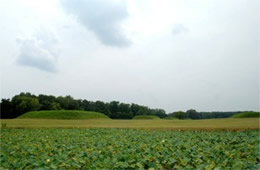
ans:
(129, 144)
(128, 149)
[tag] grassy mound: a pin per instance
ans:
(146, 117)
(63, 114)
(246, 114)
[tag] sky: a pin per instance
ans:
(169, 54)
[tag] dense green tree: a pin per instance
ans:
(7, 109)
(67, 103)
(179, 115)
(143, 110)
(24, 103)
(27, 102)
(48, 102)
(192, 114)
(102, 108)
(124, 108)
(159, 112)
(113, 108)
(85, 104)
(134, 109)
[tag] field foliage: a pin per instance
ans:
(63, 114)
(128, 149)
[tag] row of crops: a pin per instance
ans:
(128, 149)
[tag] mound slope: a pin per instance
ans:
(63, 114)
(246, 114)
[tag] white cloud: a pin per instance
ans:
(39, 51)
(102, 17)
(179, 29)
(213, 66)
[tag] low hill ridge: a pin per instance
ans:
(246, 115)
(63, 114)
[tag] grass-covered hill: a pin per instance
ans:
(246, 114)
(63, 114)
(146, 117)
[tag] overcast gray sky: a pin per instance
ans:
(170, 54)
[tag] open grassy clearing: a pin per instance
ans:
(206, 124)
(146, 117)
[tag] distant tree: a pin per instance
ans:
(48, 102)
(92, 106)
(25, 103)
(113, 106)
(159, 112)
(143, 110)
(124, 108)
(7, 109)
(102, 108)
(68, 103)
(217, 114)
(179, 115)
(84, 104)
(193, 114)
(134, 109)
(113, 109)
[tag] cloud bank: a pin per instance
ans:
(39, 51)
(102, 17)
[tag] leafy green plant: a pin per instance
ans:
(128, 149)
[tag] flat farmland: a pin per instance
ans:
(206, 124)
(103, 148)
(130, 144)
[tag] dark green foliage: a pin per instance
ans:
(7, 109)
(247, 114)
(25, 102)
(216, 114)
(124, 108)
(113, 107)
(193, 114)
(48, 102)
(63, 114)
(178, 115)
(67, 103)
(159, 112)
(128, 149)
(101, 107)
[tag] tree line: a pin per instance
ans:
(25, 102)
(193, 114)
